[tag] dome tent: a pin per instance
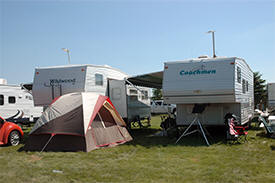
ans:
(78, 122)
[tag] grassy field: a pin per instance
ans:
(148, 158)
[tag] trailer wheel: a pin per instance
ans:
(14, 138)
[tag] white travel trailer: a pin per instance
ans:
(16, 104)
(271, 95)
(224, 85)
(50, 82)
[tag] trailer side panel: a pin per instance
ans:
(53, 82)
(199, 81)
(244, 90)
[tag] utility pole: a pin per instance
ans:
(68, 53)
(213, 41)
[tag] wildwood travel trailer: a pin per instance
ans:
(16, 104)
(223, 85)
(51, 82)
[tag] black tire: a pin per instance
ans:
(14, 138)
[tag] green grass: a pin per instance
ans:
(148, 158)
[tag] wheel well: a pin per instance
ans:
(17, 131)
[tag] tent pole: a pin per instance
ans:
(47, 143)
(101, 120)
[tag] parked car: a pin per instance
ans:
(159, 107)
(10, 133)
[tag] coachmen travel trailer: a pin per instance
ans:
(16, 104)
(205, 90)
(223, 85)
(51, 82)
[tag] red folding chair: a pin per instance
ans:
(236, 133)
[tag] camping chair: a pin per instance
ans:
(236, 133)
(270, 132)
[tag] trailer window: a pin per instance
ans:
(158, 103)
(133, 98)
(99, 79)
(132, 91)
(144, 95)
(12, 100)
(244, 86)
(239, 74)
(1, 99)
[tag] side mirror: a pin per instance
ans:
(1, 121)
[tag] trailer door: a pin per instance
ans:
(117, 94)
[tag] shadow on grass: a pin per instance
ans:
(148, 138)
(266, 136)
(263, 134)
(255, 128)
(21, 149)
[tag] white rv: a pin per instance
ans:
(50, 82)
(16, 104)
(271, 95)
(224, 85)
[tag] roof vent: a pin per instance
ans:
(107, 66)
(203, 56)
